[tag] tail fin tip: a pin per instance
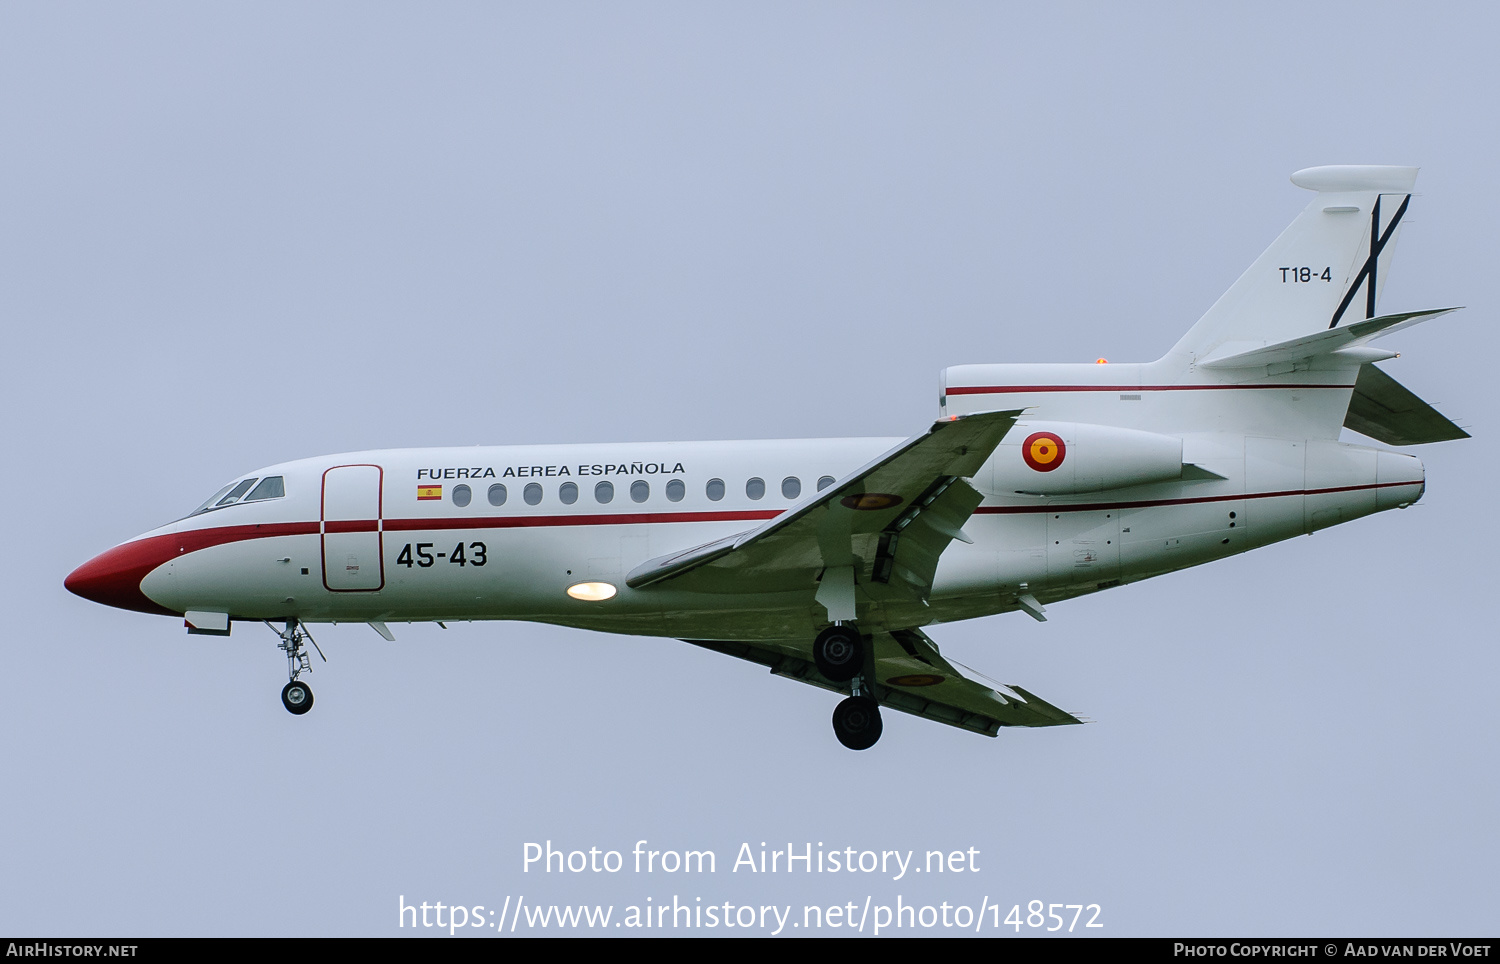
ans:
(1342, 178)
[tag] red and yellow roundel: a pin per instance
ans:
(870, 501)
(1043, 451)
(916, 679)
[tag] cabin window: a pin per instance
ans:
(271, 487)
(497, 494)
(568, 493)
(791, 487)
(825, 482)
(756, 488)
(604, 492)
(462, 494)
(640, 490)
(532, 493)
(676, 490)
(715, 489)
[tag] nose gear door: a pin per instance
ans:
(352, 529)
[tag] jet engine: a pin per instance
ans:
(1061, 458)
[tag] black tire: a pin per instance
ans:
(297, 697)
(839, 653)
(856, 722)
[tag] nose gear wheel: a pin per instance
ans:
(296, 696)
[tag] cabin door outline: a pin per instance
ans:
(351, 528)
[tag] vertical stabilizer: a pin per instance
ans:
(1325, 270)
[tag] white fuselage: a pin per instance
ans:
(370, 537)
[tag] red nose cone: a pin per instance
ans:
(114, 577)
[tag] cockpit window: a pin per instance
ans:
(235, 493)
(270, 487)
(213, 498)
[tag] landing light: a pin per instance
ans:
(592, 591)
(1101, 361)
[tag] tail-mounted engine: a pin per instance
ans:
(1059, 458)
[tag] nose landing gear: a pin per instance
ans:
(296, 695)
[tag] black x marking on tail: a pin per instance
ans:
(1372, 263)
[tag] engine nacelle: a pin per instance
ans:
(1060, 458)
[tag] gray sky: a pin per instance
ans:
(236, 234)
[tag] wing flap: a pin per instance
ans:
(1389, 412)
(912, 678)
(909, 548)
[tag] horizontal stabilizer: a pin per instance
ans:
(1387, 411)
(1322, 343)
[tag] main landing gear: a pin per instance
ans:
(840, 654)
(856, 722)
(296, 695)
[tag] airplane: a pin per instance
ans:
(826, 560)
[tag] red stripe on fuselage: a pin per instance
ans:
(114, 577)
(593, 519)
(1024, 389)
(352, 525)
(1148, 503)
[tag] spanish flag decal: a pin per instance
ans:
(1043, 451)
(426, 492)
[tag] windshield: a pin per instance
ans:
(245, 490)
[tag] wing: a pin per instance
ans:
(883, 526)
(913, 677)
